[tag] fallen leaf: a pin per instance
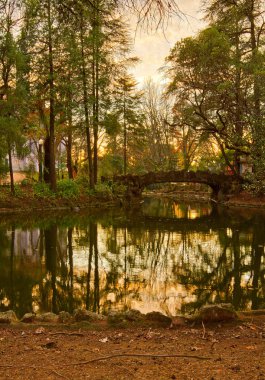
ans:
(194, 348)
(40, 330)
(250, 347)
(104, 340)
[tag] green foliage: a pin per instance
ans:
(42, 190)
(111, 164)
(118, 189)
(65, 188)
(112, 124)
(68, 189)
(214, 162)
(19, 191)
(219, 74)
(101, 189)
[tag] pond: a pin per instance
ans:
(163, 256)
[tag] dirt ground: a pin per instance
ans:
(211, 351)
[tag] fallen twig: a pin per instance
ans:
(252, 326)
(204, 331)
(58, 374)
(109, 357)
(66, 333)
(139, 356)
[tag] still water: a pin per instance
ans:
(164, 256)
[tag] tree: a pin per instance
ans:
(243, 22)
(204, 73)
(11, 89)
(160, 136)
(41, 28)
(152, 13)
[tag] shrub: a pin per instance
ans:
(42, 190)
(67, 188)
(102, 189)
(82, 181)
(18, 191)
(118, 188)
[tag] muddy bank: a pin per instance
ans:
(212, 351)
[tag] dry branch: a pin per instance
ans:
(65, 333)
(141, 356)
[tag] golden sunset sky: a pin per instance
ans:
(153, 47)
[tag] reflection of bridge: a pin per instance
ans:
(221, 184)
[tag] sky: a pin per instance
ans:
(152, 48)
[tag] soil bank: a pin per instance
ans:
(231, 350)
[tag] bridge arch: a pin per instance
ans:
(221, 184)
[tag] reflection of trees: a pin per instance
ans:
(20, 270)
(258, 274)
(92, 297)
(134, 261)
(50, 236)
(228, 276)
(70, 284)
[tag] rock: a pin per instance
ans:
(40, 330)
(158, 318)
(8, 317)
(179, 320)
(86, 315)
(47, 318)
(127, 316)
(65, 317)
(116, 317)
(49, 345)
(28, 318)
(133, 315)
(216, 313)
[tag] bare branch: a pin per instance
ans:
(153, 14)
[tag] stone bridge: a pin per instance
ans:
(221, 184)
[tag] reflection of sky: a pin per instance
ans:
(153, 274)
(153, 47)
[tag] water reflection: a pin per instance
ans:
(169, 208)
(148, 259)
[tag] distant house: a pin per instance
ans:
(22, 166)
(246, 165)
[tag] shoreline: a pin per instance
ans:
(19, 204)
(245, 200)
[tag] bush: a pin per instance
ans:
(102, 189)
(118, 188)
(67, 188)
(42, 190)
(18, 191)
(82, 181)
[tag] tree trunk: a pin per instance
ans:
(85, 101)
(46, 174)
(40, 159)
(12, 183)
(238, 94)
(52, 170)
(69, 154)
(69, 143)
(95, 89)
(124, 133)
(257, 132)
